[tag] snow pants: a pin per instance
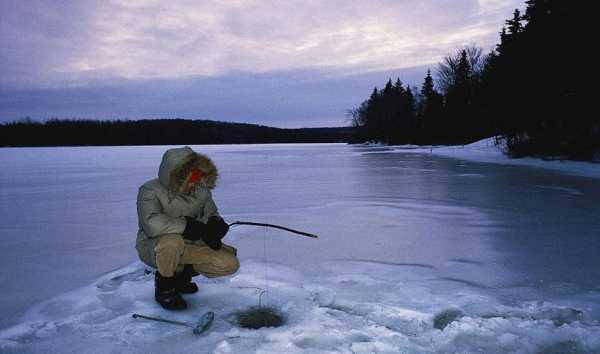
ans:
(172, 253)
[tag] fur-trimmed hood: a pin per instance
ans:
(178, 162)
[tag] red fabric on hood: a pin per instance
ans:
(196, 176)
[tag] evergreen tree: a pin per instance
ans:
(387, 114)
(427, 89)
(514, 25)
(503, 41)
(458, 102)
(372, 121)
(398, 87)
(410, 102)
(430, 111)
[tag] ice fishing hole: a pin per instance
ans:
(258, 317)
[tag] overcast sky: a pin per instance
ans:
(280, 63)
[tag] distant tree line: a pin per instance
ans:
(529, 92)
(78, 132)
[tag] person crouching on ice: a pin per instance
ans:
(180, 229)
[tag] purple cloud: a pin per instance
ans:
(60, 45)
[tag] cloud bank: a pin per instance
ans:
(63, 44)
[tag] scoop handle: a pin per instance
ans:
(135, 315)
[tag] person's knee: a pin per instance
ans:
(225, 265)
(171, 244)
(228, 265)
(231, 265)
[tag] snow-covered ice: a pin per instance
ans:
(418, 253)
(352, 307)
(486, 151)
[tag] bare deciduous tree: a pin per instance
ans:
(447, 70)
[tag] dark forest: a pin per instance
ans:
(528, 93)
(78, 132)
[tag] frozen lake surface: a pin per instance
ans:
(417, 252)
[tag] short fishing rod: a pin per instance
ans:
(275, 227)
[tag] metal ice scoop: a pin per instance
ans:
(201, 326)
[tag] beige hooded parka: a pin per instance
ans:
(162, 210)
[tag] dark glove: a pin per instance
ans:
(217, 227)
(213, 243)
(194, 230)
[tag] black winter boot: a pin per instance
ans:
(183, 280)
(166, 294)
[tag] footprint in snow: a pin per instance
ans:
(116, 281)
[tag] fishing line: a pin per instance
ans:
(264, 315)
(265, 254)
(266, 260)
